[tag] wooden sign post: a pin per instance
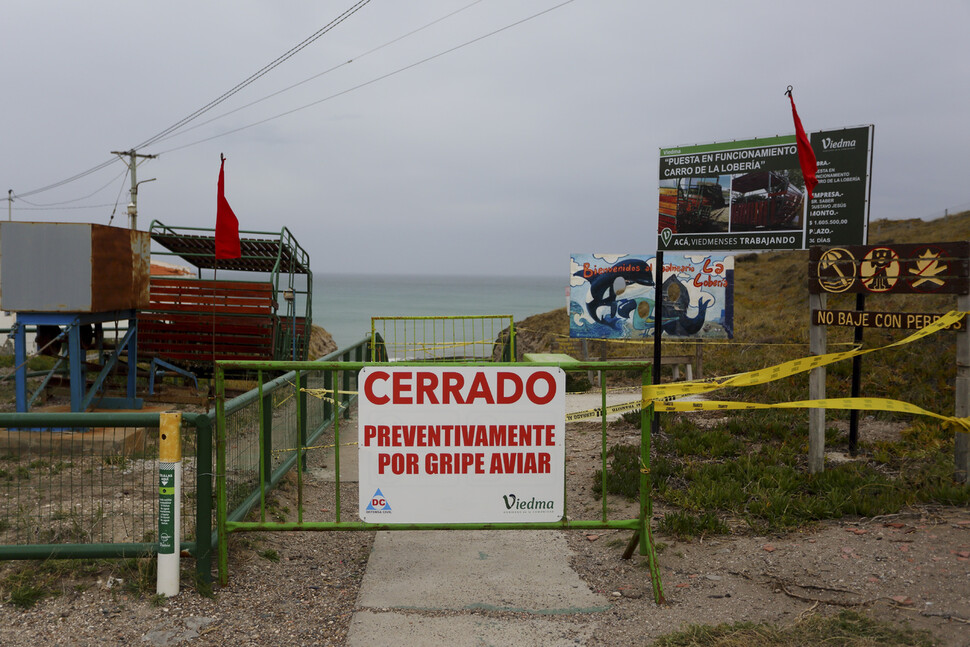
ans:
(923, 268)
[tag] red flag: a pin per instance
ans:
(806, 156)
(227, 227)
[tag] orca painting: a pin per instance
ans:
(612, 296)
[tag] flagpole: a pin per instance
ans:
(215, 277)
(806, 156)
(215, 271)
(225, 243)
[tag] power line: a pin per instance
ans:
(118, 198)
(57, 204)
(86, 206)
(259, 73)
(320, 74)
(86, 173)
(372, 81)
(170, 131)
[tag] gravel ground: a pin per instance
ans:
(295, 588)
(912, 567)
(301, 588)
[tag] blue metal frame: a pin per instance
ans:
(80, 400)
(154, 370)
(43, 384)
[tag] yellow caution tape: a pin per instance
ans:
(322, 394)
(860, 404)
(663, 396)
(296, 449)
(598, 412)
(772, 373)
(649, 341)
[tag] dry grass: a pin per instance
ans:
(847, 629)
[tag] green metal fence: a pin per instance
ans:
(262, 427)
(85, 485)
(443, 338)
(257, 443)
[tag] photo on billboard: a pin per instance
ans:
(768, 200)
(751, 194)
(613, 296)
(696, 204)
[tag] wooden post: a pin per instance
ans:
(816, 389)
(860, 305)
(698, 360)
(961, 450)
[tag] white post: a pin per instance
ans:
(169, 502)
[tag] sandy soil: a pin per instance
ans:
(913, 567)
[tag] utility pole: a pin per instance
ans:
(132, 165)
(9, 205)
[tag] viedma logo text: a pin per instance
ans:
(514, 503)
(841, 144)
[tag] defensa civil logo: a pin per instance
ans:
(519, 505)
(378, 503)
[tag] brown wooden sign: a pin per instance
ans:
(924, 268)
(866, 319)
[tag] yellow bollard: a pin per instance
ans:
(169, 502)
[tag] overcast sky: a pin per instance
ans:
(503, 156)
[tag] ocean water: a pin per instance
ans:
(343, 304)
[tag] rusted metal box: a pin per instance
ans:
(72, 267)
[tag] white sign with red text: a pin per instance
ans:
(461, 444)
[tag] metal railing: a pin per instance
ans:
(85, 485)
(444, 338)
(261, 427)
(246, 454)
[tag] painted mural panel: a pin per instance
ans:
(613, 296)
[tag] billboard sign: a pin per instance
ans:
(461, 444)
(750, 194)
(612, 296)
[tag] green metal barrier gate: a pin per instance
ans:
(331, 373)
(85, 485)
(466, 338)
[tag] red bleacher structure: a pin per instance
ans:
(191, 322)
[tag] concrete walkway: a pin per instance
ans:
(423, 587)
(417, 584)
